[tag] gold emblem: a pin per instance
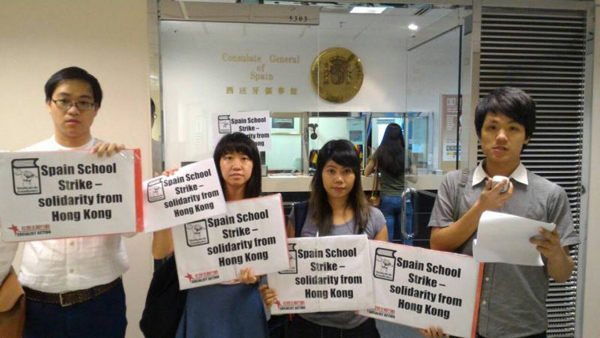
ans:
(337, 75)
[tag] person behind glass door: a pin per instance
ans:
(390, 159)
(337, 206)
(233, 309)
(73, 286)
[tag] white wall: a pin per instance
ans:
(195, 76)
(432, 72)
(591, 299)
(109, 39)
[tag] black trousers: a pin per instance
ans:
(302, 328)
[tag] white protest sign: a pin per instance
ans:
(326, 274)
(255, 124)
(251, 235)
(194, 192)
(424, 288)
(69, 194)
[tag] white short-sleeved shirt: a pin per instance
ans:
(71, 264)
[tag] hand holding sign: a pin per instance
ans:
(107, 148)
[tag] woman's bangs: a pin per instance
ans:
(346, 158)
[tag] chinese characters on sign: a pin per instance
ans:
(268, 90)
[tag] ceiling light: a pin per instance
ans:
(413, 27)
(367, 10)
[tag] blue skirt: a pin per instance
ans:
(223, 311)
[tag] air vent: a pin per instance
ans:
(543, 53)
(423, 10)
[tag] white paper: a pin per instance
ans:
(193, 193)
(504, 238)
(326, 274)
(68, 194)
(423, 288)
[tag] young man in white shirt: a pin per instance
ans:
(73, 286)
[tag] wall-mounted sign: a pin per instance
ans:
(337, 75)
(255, 124)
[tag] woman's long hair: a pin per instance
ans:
(390, 154)
(240, 143)
(343, 153)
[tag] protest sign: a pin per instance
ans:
(251, 235)
(326, 274)
(69, 194)
(254, 124)
(194, 192)
(424, 288)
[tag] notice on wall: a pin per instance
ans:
(424, 288)
(450, 128)
(255, 124)
(326, 274)
(69, 194)
(194, 192)
(251, 235)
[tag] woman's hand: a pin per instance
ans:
(269, 296)
(106, 148)
(247, 276)
(433, 332)
(162, 241)
(169, 172)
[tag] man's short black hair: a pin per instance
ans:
(511, 102)
(73, 73)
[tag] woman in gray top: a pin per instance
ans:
(390, 159)
(337, 206)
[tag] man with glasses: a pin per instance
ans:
(73, 286)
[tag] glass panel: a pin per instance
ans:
(416, 128)
(433, 74)
(332, 126)
(286, 151)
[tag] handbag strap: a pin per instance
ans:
(375, 179)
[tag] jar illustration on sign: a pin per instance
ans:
(155, 190)
(26, 176)
(224, 124)
(384, 264)
(293, 256)
(196, 233)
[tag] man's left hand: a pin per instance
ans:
(107, 148)
(548, 244)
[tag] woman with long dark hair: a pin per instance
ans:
(337, 206)
(390, 161)
(233, 309)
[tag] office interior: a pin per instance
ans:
(185, 55)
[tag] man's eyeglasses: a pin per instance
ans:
(65, 105)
